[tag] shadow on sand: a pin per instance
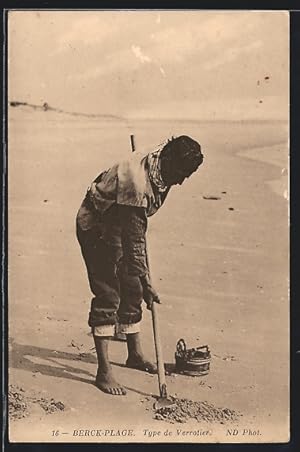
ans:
(169, 368)
(25, 357)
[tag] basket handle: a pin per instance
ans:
(203, 347)
(181, 346)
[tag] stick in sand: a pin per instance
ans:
(163, 401)
(132, 143)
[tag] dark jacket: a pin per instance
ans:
(117, 205)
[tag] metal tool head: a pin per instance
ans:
(165, 404)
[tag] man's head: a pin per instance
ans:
(180, 157)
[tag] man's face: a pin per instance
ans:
(179, 159)
(173, 175)
(179, 176)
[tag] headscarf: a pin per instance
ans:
(154, 167)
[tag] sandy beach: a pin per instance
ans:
(220, 265)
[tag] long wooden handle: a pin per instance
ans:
(158, 351)
(132, 141)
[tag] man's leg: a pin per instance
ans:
(136, 358)
(103, 314)
(105, 379)
(130, 315)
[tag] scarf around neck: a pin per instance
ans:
(154, 168)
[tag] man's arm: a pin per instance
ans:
(134, 226)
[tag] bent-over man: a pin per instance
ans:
(111, 229)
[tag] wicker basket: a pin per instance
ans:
(194, 362)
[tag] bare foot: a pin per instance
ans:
(107, 383)
(140, 363)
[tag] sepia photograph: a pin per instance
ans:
(148, 226)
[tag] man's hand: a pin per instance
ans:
(149, 293)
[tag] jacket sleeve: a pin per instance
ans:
(134, 226)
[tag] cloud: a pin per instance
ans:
(120, 62)
(147, 57)
(162, 71)
(140, 56)
(221, 27)
(173, 41)
(86, 75)
(91, 30)
(231, 54)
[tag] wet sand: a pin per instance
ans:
(221, 267)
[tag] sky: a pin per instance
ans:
(160, 64)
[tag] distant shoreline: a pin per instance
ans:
(46, 108)
(107, 117)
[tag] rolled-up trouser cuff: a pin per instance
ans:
(104, 330)
(129, 328)
(109, 330)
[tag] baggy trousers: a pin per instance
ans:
(118, 296)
